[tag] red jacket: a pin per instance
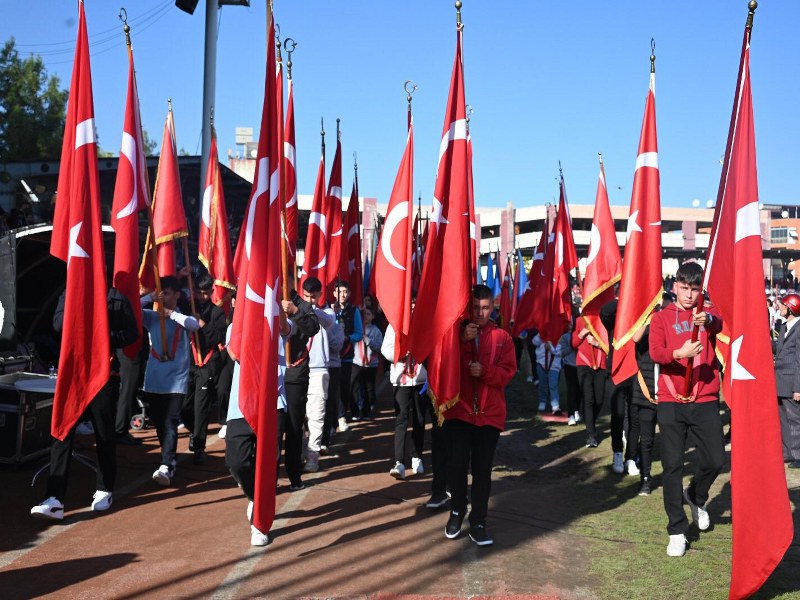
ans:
(586, 355)
(495, 352)
(669, 329)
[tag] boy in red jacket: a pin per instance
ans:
(472, 426)
(683, 409)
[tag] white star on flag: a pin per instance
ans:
(737, 370)
(271, 308)
(74, 249)
(437, 216)
(632, 224)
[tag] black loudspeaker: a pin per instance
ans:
(8, 296)
(187, 5)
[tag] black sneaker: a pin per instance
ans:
(126, 439)
(296, 487)
(437, 501)
(199, 457)
(479, 535)
(644, 488)
(453, 527)
(591, 442)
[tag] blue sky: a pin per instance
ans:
(548, 81)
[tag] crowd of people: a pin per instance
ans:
(328, 381)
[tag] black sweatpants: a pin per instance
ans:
(196, 409)
(593, 388)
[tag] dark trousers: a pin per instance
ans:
(593, 385)
(407, 404)
(346, 390)
(331, 404)
(129, 384)
(362, 389)
(224, 381)
(240, 452)
(439, 449)
(789, 411)
(296, 397)
(196, 409)
(641, 436)
(619, 397)
(573, 401)
(676, 421)
(470, 447)
(102, 410)
(165, 410)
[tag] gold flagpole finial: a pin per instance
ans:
(459, 24)
(751, 10)
(322, 134)
(278, 43)
(338, 132)
(410, 87)
(123, 16)
(169, 104)
(600, 154)
(289, 45)
(652, 55)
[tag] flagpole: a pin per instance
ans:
(282, 186)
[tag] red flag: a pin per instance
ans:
(603, 266)
(641, 285)
(83, 366)
(333, 218)
(473, 238)
(445, 286)
(393, 259)
(558, 310)
(131, 195)
(762, 514)
(316, 250)
(169, 218)
(351, 257)
(290, 180)
(214, 245)
(530, 303)
(254, 338)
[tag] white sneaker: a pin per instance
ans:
(529, 379)
(102, 500)
(250, 512)
(163, 474)
(631, 468)
(51, 509)
(578, 418)
(699, 513)
(85, 428)
(571, 421)
(542, 407)
(417, 466)
(398, 471)
(677, 545)
(618, 465)
(312, 463)
(257, 538)
(343, 426)
(222, 432)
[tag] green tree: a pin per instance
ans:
(32, 108)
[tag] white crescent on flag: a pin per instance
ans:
(594, 244)
(128, 150)
(318, 219)
(74, 249)
(397, 215)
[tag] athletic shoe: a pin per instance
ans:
(591, 441)
(296, 487)
(85, 428)
(222, 432)
(398, 471)
(557, 412)
(163, 475)
(102, 500)
(250, 512)
(644, 487)
(631, 468)
(343, 426)
(453, 527)
(618, 464)
(677, 545)
(571, 421)
(699, 513)
(479, 535)
(312, 463)
(578, 417)
(437, 501)
(126, 439)
(417, 466)
(257, 538)
(324, 450)
(51, 509)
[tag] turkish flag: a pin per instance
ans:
(603, 266)
(393, 258)
(290, 181)
(169, 218)
(316, 250)
(444, 293)
(333, 218)
(131, 195)
(533, 293)
(557, 316)
(256, 322)
(641, 285)
(734, 277)
(473, 239)
(83, 365)
(214, 245)
(351, 257)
